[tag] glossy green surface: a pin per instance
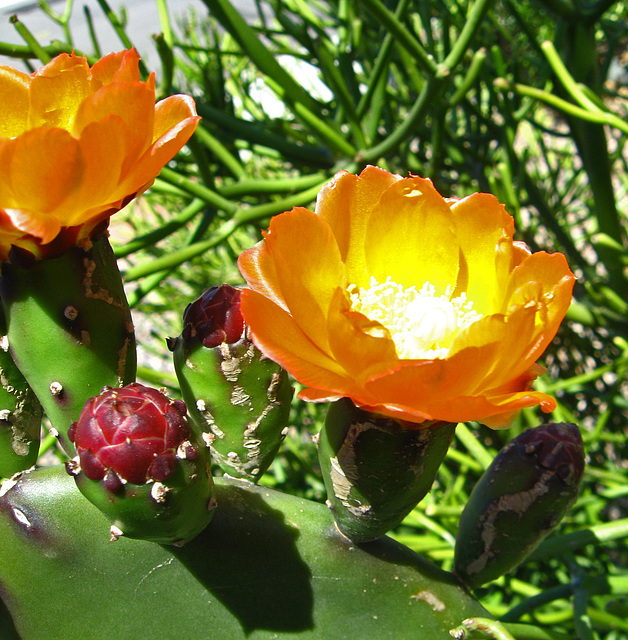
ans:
(269, 565)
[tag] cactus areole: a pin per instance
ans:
(130, 434)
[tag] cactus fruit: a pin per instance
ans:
(377, 469)
(69, 328)
(239, 398)
(20, 417)
(138, 463)
(521, 497)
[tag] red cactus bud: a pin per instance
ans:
(133, 432)
(215, 317)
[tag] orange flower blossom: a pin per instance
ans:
(77, 144)
(414, 306)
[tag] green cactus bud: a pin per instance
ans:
(20, 417)
(69, 329)
(521, 497)
(238, 398)
(376, 469)
(139, 464)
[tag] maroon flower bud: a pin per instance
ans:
(215, 317)
(132, 433)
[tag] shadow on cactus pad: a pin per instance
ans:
(269, 565)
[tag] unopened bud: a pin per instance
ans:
(521, 497)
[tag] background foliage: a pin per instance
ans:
(525, 99)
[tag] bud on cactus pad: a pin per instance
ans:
(521, 497)
(238, 398)
(139, 464)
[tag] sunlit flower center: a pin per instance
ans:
(423, 325)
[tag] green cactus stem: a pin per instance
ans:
(69, 329)
(20, 417)
(377, 469)
(238, 398)
(521, 497)
(269, 565)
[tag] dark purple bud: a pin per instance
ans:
(215, 317)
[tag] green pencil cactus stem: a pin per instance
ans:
(239, 398)
(519, 500)
(141, 465)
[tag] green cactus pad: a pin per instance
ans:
(268, 566)
(375, 469)
(69, 329)
(20, 418)
(239, 399)
(521, 497)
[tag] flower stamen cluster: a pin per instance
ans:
(421, 323)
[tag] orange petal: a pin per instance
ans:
(133, 104)
(14, 87)
(280, 338)
(307, 270)
(410, 237)
(148, 166)
(345, 204)
(45, 168)
(484, 232)
(122, 66)
(353, 343)
(57, 90)
(170, 112)
(102, 144)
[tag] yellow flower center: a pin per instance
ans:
(423, 325)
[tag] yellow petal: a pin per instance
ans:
(57, 90)
(14, 87)
(484, 233)
(170, 113)
(410, 237)
(345, 204)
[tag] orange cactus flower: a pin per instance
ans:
(413, 306)
(77, 144)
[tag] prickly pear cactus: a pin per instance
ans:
(269, 565)
(239, 398)
(69, 329)
(20, 417)
(521, 497)
(376, 469)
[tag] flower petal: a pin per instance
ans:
(44, 168)
(280, 338)
(122, 66)
(56, 89)
(14, 87)
(306, 270)
(345, 204)
(410, 236)
(484, 233)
